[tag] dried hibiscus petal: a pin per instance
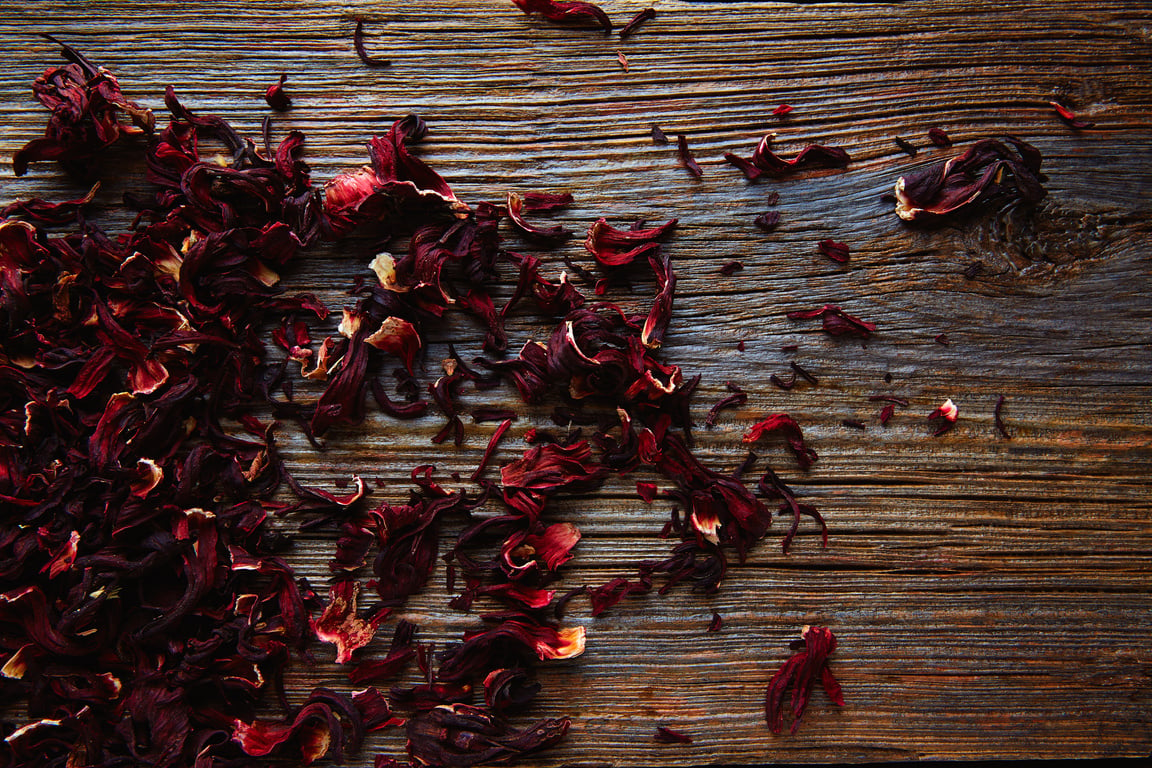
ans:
(545, 470)
(666, 735)
(43, 213)
(559, 11)
(767, 221)
(733, 400)
(838, 252)
(947, 414)
(772, 487)
(836, 322)
(528, 553)
(801, 672)
(399, 654)
(812, 156)
(518, 204)
(362, 52)
(987, 170)
(750, 170)
(375, 710)
(461, 735)
(607, 595)
(509, 689)
(786, 425)
(938, 137)
(328, 721)
(1003, 430)
(628, 29)
(341, 626)
(276, 97)
(1069, 117)
(617, 247)
(686, 158)
(656, 324)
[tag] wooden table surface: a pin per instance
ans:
(991, 595)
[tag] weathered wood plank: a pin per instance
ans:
(991, 596)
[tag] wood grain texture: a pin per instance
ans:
(992, 596)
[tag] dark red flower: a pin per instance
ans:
(87, 105)
(801, 672)
(988, 170)
(781, 110)
(396, 182)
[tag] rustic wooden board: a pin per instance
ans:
(991, 595)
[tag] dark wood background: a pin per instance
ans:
(991, 596)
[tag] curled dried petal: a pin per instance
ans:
(987, 170)
(560, 11)
(801, 672)
(616, 247)
(461, 735)
(785, 424)
(362, 52)
(1069, 117)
